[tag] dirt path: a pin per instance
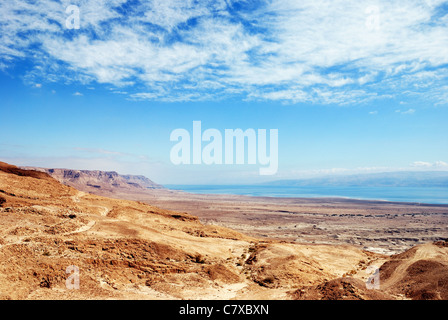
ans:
(105, 211)
(424, 252)
(76, 198)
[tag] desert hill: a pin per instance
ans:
(420, 273)
(132, 250)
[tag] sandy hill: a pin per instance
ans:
(420, 273)
(131, 250)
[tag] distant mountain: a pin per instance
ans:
(96, 181)
(386, 179)
(141, 181)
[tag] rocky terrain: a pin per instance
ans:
(106, 182)
(133, 250)
(377, 226)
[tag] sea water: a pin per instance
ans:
(430, 195)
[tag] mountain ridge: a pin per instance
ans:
(382, 179)
(94, 180)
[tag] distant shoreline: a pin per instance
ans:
(379, 226)
(254, 191)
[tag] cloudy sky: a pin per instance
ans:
(352, 86)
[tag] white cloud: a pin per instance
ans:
(409, 111)
(441, 164)
(170, 13)
(78, 94)
(297, 51)
(100, 151)
(423, 164)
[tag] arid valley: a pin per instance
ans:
(198, 152)
(131, 239)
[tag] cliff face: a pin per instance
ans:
(141, 181)
(95, 181)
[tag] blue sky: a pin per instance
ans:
(351, 86)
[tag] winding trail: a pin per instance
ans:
(76, 198)
(105, 211)
(423, 252)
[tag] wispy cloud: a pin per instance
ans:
(330, 52)
(100, 151)
(409, 111)
(423, 164)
